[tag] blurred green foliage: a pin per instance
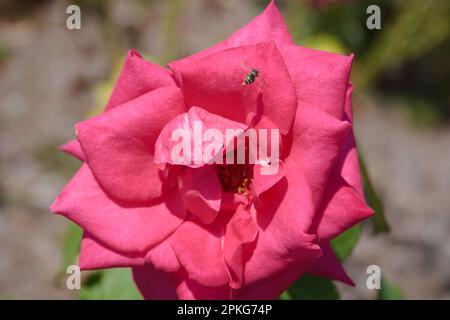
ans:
(388, 291)
(406, 60)
(71, 245)
(52, 160)
(110, 284)
(310, 287)
(5, 53)
(344, 244)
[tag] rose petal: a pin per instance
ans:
(95, 255)
(121, 228)
(320, 78)
(343, 207)
(201, 192)
(189, 289)
(262, 183)
(73, 148)
(119, 144)
(284, 219)
(317, 140)
(272, 287)
(136, 78)
(199, 250)
(348, 159)
(193, 124)
(215, 84)
(231, 201)
(162, 257)
(157, 285)
(154, 284)
(329, 266)
(344, 203)
(240, 231)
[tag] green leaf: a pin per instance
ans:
(344, 244)
(110, 284)
(389, 291)
(71, 245)
(380, 222)
(285, 296)
(310, 287)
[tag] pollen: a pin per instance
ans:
(235, 178)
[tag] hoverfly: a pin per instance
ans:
(250, 76)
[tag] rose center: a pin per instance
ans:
(235, 178)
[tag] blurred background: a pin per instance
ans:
(52, 77)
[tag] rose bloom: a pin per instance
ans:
(220, 231)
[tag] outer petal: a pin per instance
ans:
(271, 288)
(215, 84)
(343, 207)
(198, 247)
(136, 78)
(284, 219)
(73, 148)
(162, 257)
(157, 285)
(95, 255)
(119, 144)
(189, 289)
(320, 78)
(348, 163)
(344, 204)
(154, 284)
(123, 229)
(329, 266)
(317, 139)
(268, 26)
(348, 160)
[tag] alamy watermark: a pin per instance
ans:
(73, 281)
(197, 147)
(73, 21)
(374, 20)
(374, 279)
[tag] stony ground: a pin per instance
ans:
(44, 90)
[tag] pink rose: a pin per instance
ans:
(220, 231)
